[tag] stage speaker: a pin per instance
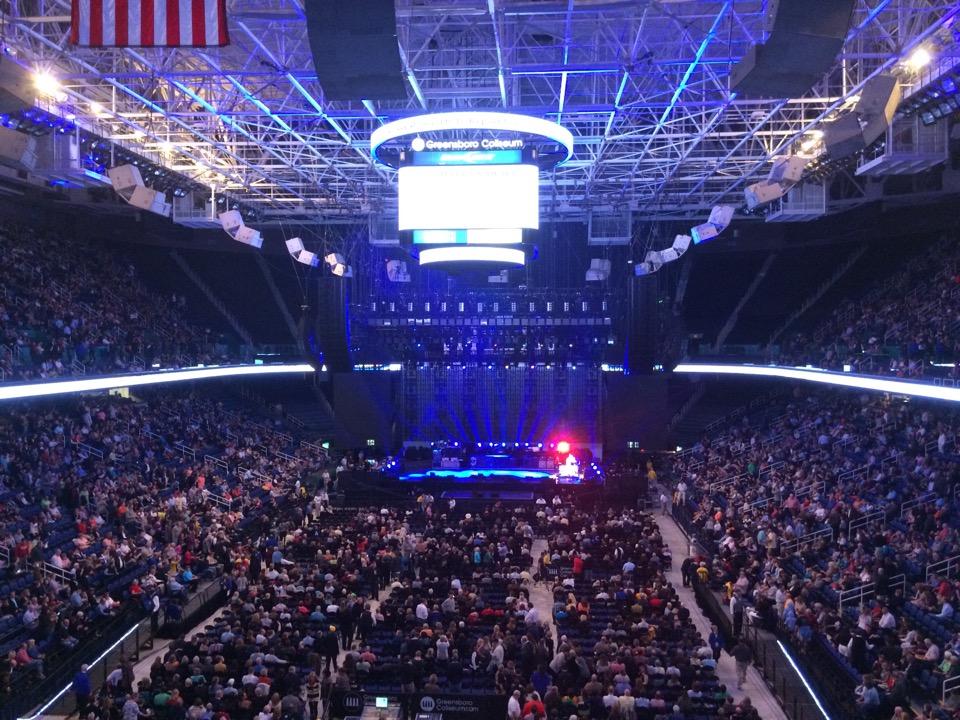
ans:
(669, 255)
(334, 259)
(805, 37)
(341, 270)
(397, 271)
(18, 149)
(878, 104)
(653, 260)
(762, 193)
(721, 216)
(125, 179)
(294, 246)
(702, 233)
(599, 270)
(643, 269)
(17, 91)
(249, 236)
(827, 18)
(843, 137)
(151, 200)
(308, 258)
(787, 170)
(231, 221)
(355, 49)
(681, 243)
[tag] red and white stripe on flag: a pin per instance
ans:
(149, 23)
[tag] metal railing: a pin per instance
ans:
(150, 434)
(313, 446)
(220, 500)
(49, 569)
(789, 548)
(295, 421)
(812, 489)
(216, 462)
(285, 456)
(943, 568)
(949, 685)
(917, 502)
(89, 449)
(869, 518)
(185, 450)
(862, 592)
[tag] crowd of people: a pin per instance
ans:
(898, 328)
(427, 599)
(81, 310)
(835, 519)
(108, 505)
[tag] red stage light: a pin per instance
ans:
(563, 447)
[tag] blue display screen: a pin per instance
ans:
(470, 157)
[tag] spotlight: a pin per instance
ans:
(563, 447)
(919, 59)
(47, 84)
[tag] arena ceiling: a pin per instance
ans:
(642, 84)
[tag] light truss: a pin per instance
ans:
(642, 85)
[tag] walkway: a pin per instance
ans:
(756, 688)
(541, 595)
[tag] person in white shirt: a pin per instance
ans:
(422, 611)
(887, 620)
(496, 656)
(514, 710)
(946, 610)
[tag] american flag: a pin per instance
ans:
(149, 23)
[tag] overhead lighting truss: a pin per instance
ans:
(642, 86)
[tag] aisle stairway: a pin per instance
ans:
(756, 688)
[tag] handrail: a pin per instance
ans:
(285, 456)
(220, 500)
(185, 450)
(922, 500)
(857, 593)
(854, 473)
(727, 481)
(49, 568)
(791, 547)
(943, 567)
(813, 488)
(89, 449)
(5, 554)
(318, 448)
(762, 502)
(867, 519)
(217, 462)
(150, 434)
(949, 685)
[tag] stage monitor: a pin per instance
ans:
(486, 197)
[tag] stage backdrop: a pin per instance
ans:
(498, 404)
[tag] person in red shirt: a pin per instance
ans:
(577, 565)
(534, 706)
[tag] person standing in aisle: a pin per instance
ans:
(743, 656)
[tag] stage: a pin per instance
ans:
(481, 476)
